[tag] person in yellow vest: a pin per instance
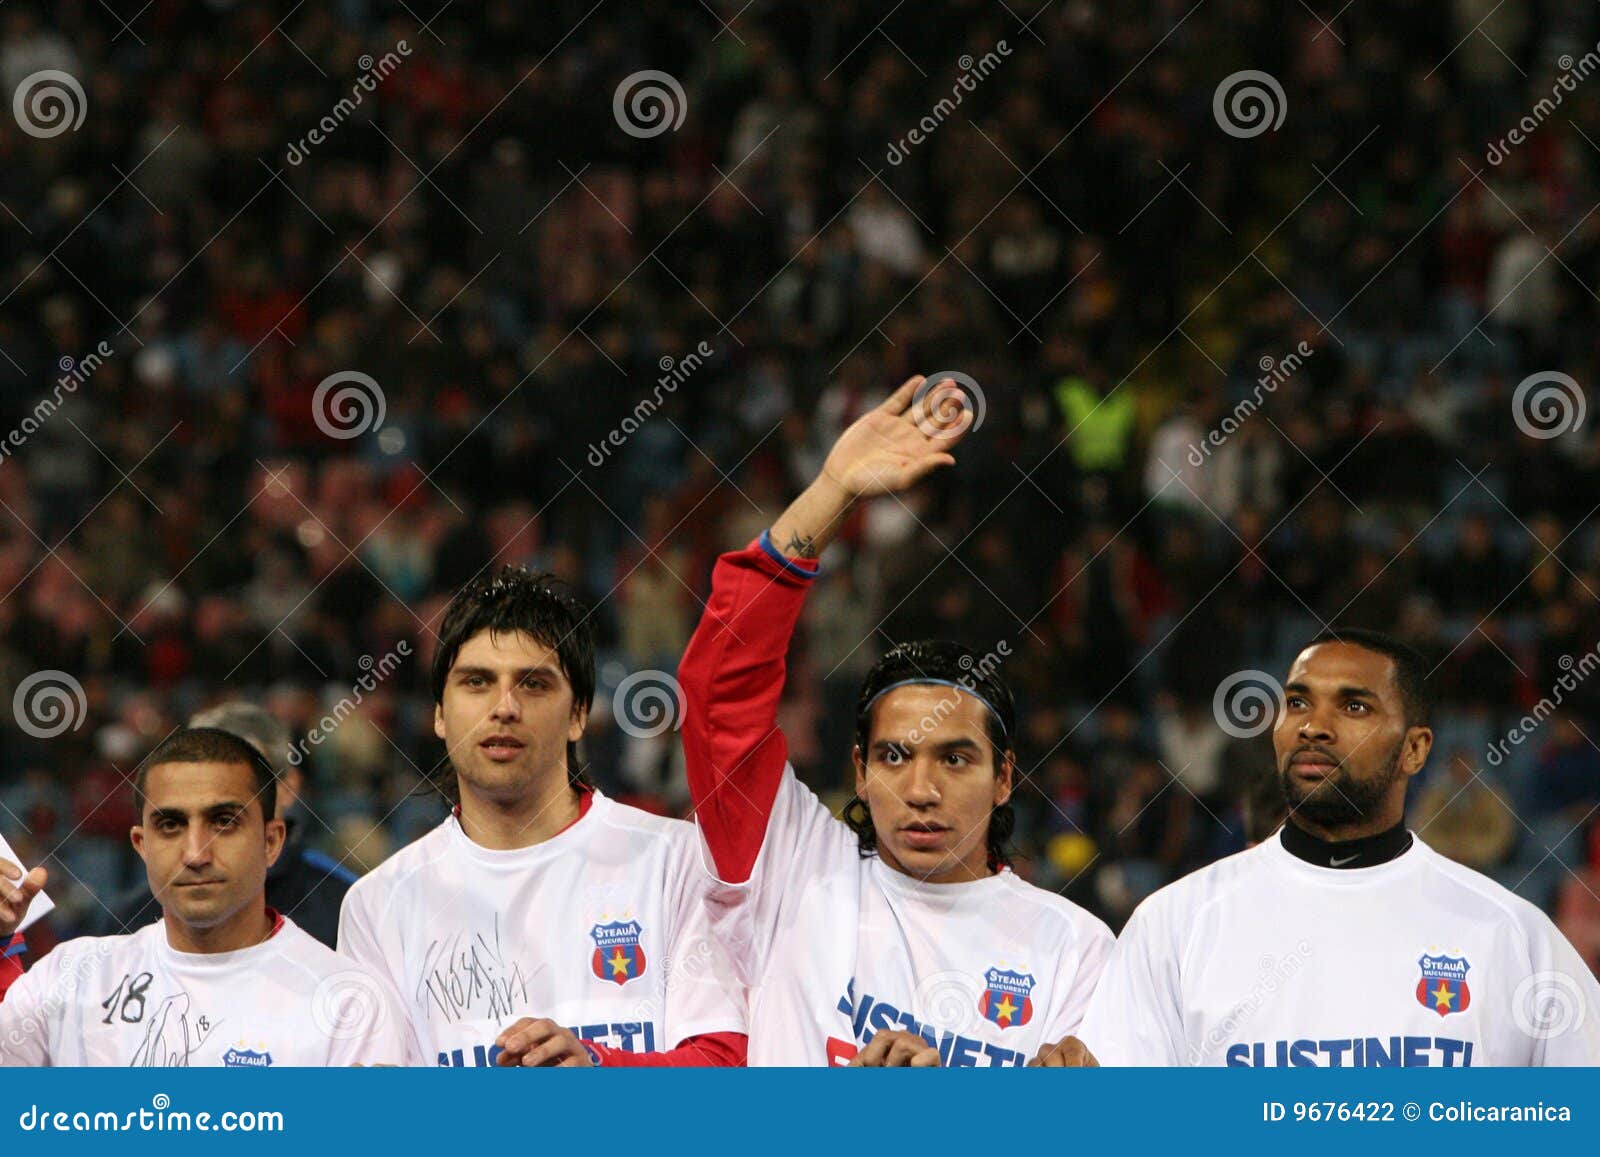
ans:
(1099, 424)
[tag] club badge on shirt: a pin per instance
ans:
(618, 955)
(1007, 998)
(243, 1058)
(1443, 987)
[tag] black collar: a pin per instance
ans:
(1365, 852)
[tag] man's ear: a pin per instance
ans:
(438, 720)
(861, 771)
(1415, 748)
(1005, 777)
(575, 726)
(136, 835)
(276, 832)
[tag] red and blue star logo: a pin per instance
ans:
(618, 956)
(1443, 987)
(1007, 998)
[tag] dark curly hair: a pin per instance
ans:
(939, 659)
(538, 605)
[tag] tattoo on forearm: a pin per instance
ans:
(802, 546)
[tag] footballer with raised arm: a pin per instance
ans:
(897, 936)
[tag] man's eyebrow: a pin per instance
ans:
(521, 672)
(1347, 691)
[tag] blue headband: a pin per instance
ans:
(943, 683)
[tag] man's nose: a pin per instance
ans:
(922, 787)
(197, 846)
(508, 708)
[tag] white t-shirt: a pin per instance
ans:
(135, 1001)
(1262, 959)
(836, 948)
(600, 928)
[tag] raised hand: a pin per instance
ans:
(885, 450)
(901, 441)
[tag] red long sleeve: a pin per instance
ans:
(11, 962)
(714, 1049)
(732, 677)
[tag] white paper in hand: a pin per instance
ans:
(41, 903)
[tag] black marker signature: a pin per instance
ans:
(471, 979)
(168, 1041)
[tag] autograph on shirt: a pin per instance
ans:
(170, 1040)
(471, 979)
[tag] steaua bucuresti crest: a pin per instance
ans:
(1007, 998)
(1443, 987)
(618, 956)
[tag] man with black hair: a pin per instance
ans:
(900, 936)
(302, 883)
(541, 924)
(221, 979)
(1344, 940)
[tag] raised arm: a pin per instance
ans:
(732, 672)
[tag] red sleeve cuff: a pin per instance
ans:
(713, 1049)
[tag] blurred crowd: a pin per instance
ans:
(1234, 386)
